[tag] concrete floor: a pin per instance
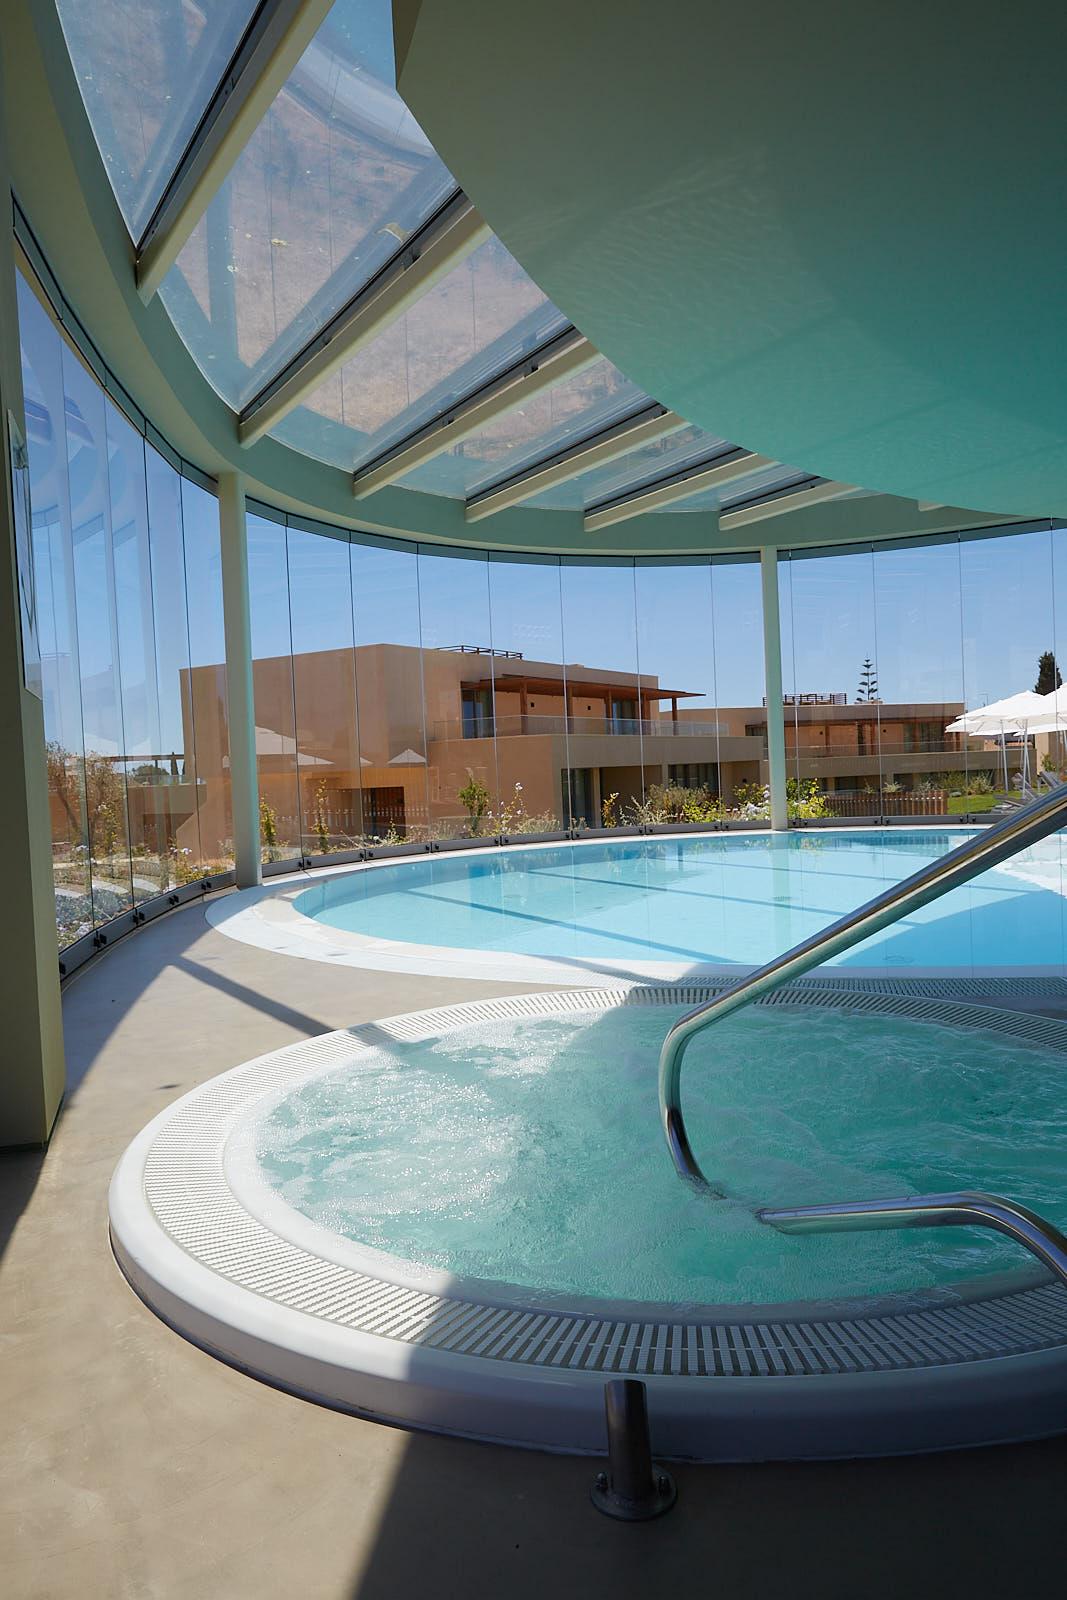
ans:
(132, 1465)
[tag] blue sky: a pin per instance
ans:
(959, 621)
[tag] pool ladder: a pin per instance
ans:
(961, 1209)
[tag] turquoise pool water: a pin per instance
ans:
(688, 901)
(529, 1152)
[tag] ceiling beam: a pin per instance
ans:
(652, 422)
(712, 474)
(789, 500)
(276, 38)
(434, 249)
(558, 358)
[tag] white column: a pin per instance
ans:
(31, 1056)
(244, 783)
(772, 663)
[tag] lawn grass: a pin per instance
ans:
(959, 804)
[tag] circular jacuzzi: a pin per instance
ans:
(465, 1220)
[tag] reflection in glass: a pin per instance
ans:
(42, 381)
(94, 592)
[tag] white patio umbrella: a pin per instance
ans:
(1055, 717)
(1016, 713)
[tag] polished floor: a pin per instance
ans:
(132, 1465)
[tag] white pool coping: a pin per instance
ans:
(267, 918)
(228, 1264)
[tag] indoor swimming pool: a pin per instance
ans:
(668, 906)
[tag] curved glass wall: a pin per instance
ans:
(126, 559)
(883, 646)
(471, 694)
(409, 693)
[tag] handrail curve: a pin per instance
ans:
(1024, 827)
(967, 1208)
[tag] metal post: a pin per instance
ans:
(244, 781)
(31, 1059)
(772, 662)
(632, 1489)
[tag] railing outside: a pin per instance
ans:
(516, 725)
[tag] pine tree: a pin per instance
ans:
(868, 689)
(1048, 674)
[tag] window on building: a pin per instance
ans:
(694, 775)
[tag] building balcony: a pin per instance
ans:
(517, 725)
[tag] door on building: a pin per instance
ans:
(578, 799)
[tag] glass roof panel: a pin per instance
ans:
(551, 421)
(147, 70)
(481, 316)
(776, 477)
(336, 176)
(658, 460)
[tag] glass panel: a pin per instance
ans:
(147, 778)
(337, 174)
(1009, 622)
(147, 72)
(392, 729)
(529, 695)
(324, 688)
(835, 722)
(730, 494)
(604, 693)
(205, 704)
(1051, 749)
(687, 763)
(173, 784)
(457, 671)
(479, 319)
(94, 592)
(272, 675)
(646, 465)
(740, 683)
(42, 380)
(581, 405)
(920, 678)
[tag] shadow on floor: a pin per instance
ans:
(310, 1026)
(476, 1520)
(19, 1172)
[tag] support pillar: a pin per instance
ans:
(772, 663)
(244, 780)
(32, 1076)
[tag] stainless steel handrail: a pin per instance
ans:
(1026, 826)
(966, 1209)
